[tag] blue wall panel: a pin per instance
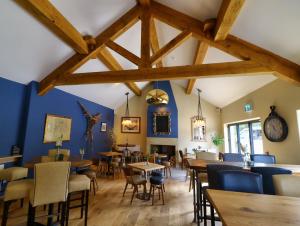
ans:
(11, 114)
(171, 107)
(61, 103)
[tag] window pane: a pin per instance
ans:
(244, 138)
(233, 139)
(257, 138)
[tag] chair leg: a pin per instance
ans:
(82, 203)
(205, 214)
(63, 214)
(162, 194)
(134, 190)
(50, 212)
(68, 209)
(190, 187)
(125, 188)
(22, 203)
(86, 207)
(164, 188)
(58, 211)
(153, 189)
(170, 171)
(31, 215)
(5, 213)
(94, 188)
(212, 215)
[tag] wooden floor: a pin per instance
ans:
(109, 208)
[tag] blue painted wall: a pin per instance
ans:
(33, 115)
(170, 107)
(12, 95)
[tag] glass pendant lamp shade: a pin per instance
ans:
(126, 121)
(199, 122)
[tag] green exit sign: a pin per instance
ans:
(248, 107)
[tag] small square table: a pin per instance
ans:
(146, 167)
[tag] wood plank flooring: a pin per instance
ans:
(109, 208)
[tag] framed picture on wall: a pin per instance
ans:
(57, 128)
(131, 125)
(103, 127)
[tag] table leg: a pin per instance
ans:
(194, 195)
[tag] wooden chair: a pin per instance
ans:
(116, 167)
(167, 168)
(50, 187)
(134, 180)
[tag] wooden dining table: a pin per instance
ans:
(199, 165)
(146, 167)
(76, 163)
(246, 209)
(109, 154)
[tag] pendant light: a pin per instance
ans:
(157, 96)
(126, 121)
(199, 119)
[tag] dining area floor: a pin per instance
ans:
(109, 208)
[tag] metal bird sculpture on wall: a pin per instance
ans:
(91, 120)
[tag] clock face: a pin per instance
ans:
(275, 128)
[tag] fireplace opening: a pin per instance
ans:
(168, 150)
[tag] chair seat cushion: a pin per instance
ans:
(156, 173)
(18, 189)
(167, 163)
(137, 180)
(79, 183)
(90, 174)
(13, 173)
(156, 180)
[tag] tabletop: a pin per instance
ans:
(236, 209)
(146, 166)
(200, 164)
(109, 154)
(74, 163)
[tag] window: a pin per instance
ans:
(298, 120)
(245, 136)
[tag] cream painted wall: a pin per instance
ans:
(286, 98)
(137, 107)
(187, 108)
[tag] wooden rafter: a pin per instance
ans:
(166, 73)
(74, 62)
(124, 52)
(199, 58)
(174, 43)
(145, 2)
(111, 63)
(154, 41)
(145, 38)
(227, 15)
(45, 12)
(231, 45)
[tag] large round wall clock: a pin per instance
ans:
(275, 127)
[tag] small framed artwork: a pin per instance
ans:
(57, 128)
(103, 127)
(131, 125)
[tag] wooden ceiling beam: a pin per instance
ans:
(144, 2)
(170, 46)
(231, 45)
(46, 13)
(123, 52)
(166, 73)
(199, 58)
(112, 64)
(145, 38)
(228, 13)
(154, 41)
(77, 60)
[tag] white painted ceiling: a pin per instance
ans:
(29, 51)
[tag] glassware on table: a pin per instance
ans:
(81, 151)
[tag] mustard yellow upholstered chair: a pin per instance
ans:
(287, 185)
(65, 152)
(79, 184)
(51, 182)
(15, 190)
(13, 173)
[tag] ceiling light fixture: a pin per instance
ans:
(199, 119)
(157, 96)
(126, 120)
